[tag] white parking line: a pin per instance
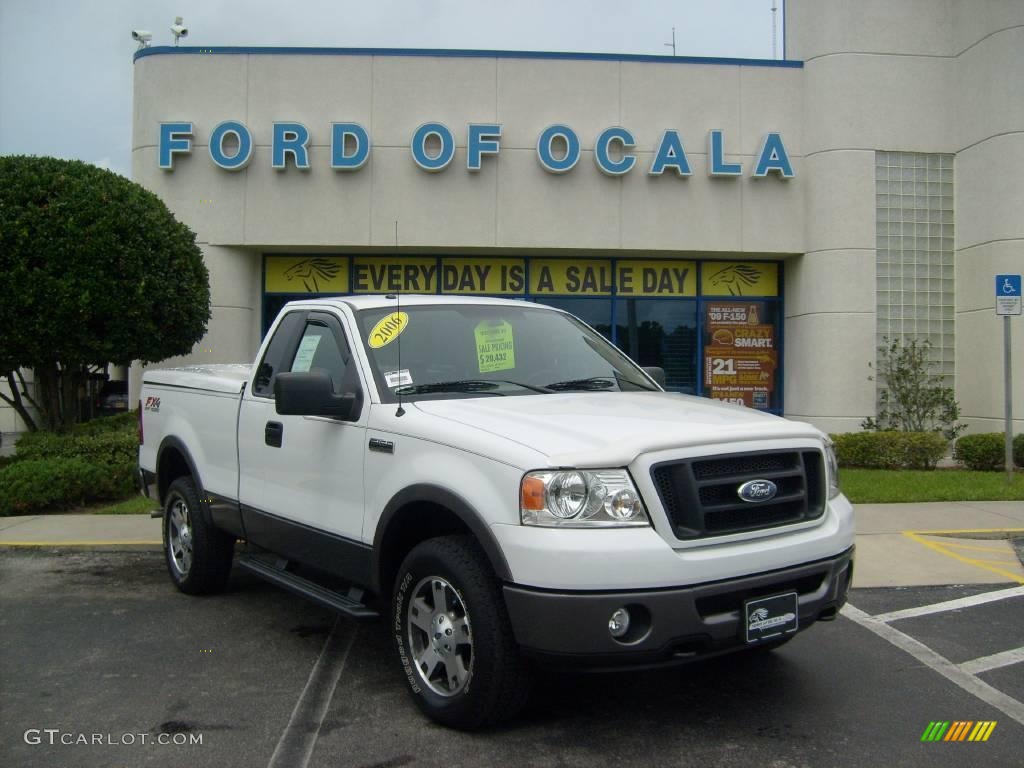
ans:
(295, 747)
(1008, 705)
(995, 661)
(950, 605)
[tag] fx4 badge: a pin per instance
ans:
(152, 404)
(757, 490)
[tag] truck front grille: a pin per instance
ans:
(700, 495)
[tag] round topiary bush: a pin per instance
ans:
(96, 269)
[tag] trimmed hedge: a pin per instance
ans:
(986, 451)
(107, 448)
(890, 450)
(33, 485)
(51, 471)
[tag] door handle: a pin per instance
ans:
(273, 434)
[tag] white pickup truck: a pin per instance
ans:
(502, 485)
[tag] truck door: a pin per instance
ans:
(302, 469)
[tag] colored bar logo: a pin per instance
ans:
(959, 730)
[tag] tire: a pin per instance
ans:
(198, 555)
(468, 673)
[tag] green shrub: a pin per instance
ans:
(122, 422)
(33, 485)
(1018, 450)
(890, 449)
(105, 448)
(985, 451)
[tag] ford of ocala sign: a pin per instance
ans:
(432, 148)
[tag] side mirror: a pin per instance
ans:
(656, 373)
(311, 393)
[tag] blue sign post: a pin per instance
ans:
(1008, 302)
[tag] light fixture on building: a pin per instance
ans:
(178, 29)
(142, 37)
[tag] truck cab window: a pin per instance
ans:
(273, 360)
(319, 349)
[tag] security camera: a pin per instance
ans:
(178, 30)
(142, 36)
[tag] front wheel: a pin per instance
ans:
(198, 554)
(454, 638)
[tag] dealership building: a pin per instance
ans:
(755, 227)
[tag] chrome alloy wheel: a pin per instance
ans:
(440, 637)
(179, 536)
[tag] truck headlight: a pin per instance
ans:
(581, 498)
(832, 469)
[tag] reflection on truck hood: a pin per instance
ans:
(612, 428)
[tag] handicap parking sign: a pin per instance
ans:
(1008, 298)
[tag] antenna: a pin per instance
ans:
(401, 410)
(672, 45)
(774, 33)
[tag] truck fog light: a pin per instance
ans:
(624, 505)
(618, 624)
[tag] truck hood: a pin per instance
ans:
(612, 428)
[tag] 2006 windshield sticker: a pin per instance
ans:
(495, 347)
(387, 329)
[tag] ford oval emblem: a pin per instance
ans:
(757, 490)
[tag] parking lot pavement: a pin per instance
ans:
(101, 643)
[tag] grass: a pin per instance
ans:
(879, 486)
(133, 505)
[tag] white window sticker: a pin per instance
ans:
(398, 378)
(304, 357)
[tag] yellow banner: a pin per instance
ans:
(306, 274)
(389, 273)
(656, 278)
(739, 278)
(483, 276)
(571, 277)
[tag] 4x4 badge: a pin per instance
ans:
(757, 490)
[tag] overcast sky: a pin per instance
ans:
(66, 65)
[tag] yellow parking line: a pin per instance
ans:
(976, 549)
(73, 543)
(945, 532)
(977, 563)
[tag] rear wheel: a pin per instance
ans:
(198, 554)
(454, 638)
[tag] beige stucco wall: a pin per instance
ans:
(512, 203)
(921, 76)
(914, 75)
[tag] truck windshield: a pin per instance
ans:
(487, 350)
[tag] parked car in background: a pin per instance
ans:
(112, 398)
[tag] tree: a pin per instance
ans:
(95, 270)
(912, 398)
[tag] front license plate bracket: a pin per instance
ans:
(766, 618)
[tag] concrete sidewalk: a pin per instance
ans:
(897, 544)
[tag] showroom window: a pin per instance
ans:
(714, 326)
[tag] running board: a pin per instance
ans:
(347, 605)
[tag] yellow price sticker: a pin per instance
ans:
(495, 346)
(387, 329)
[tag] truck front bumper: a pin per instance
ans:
(668, 626)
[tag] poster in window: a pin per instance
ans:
(740, 353)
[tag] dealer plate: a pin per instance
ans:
(769, 617)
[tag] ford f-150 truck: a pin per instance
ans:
(500, 484)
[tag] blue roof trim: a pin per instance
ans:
(465, 54)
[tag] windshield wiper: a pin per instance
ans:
(482, 386)
(595, 384)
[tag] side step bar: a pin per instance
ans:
(277, 574)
